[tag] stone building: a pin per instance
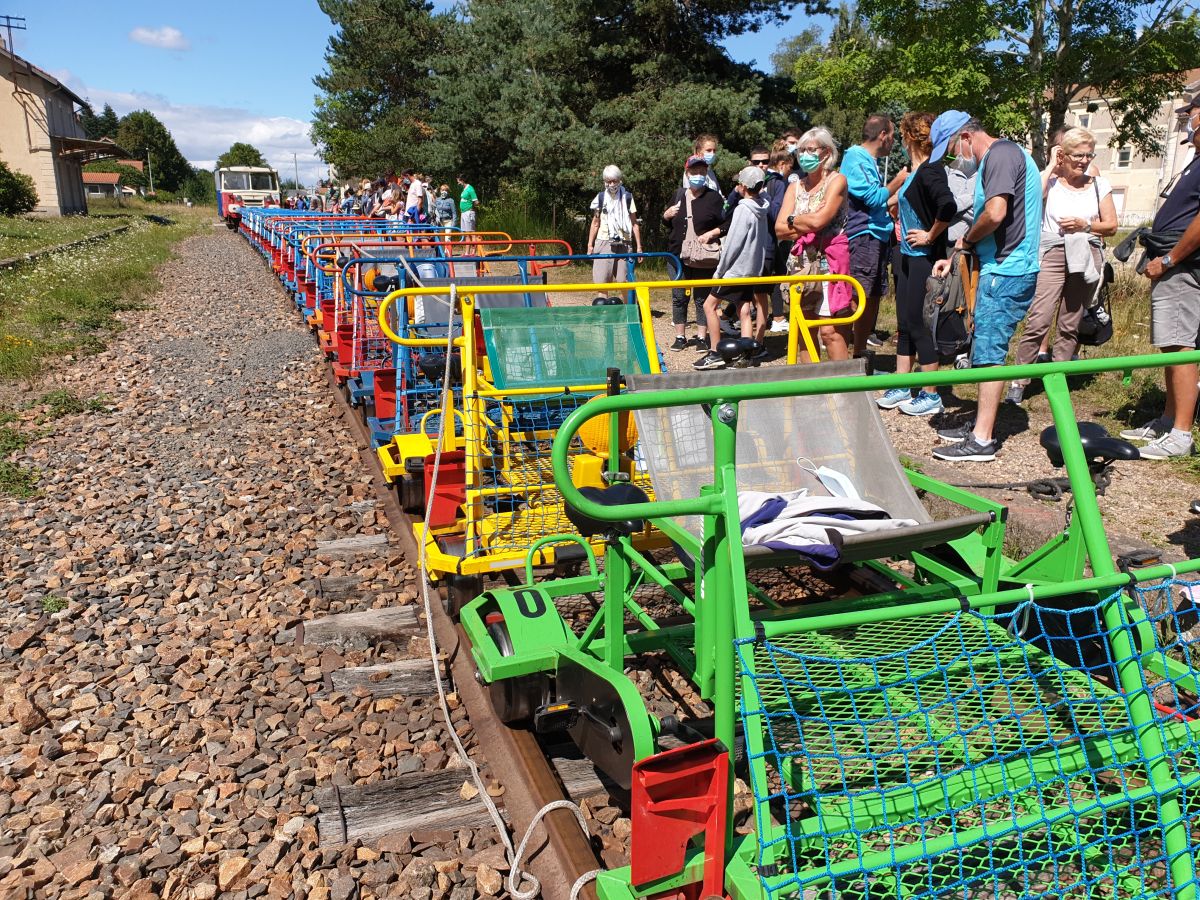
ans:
(40, 135)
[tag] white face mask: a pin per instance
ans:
(612, 188)
(838, 484)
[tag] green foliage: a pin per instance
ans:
(17, 193)
(373, 111)
(11, 440)
(141, 131)
(241, 154)
(95, 126)
(129, 175)
(64, 403)
(200, 188)
(52, 604)
(538, 96)
(16, 481)
(1016, 65)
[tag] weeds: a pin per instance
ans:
(62, 403)
(11, 441)
(16, 481)
(52, 604)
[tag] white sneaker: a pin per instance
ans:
(779, 326)
(1169, 445)
(1151, 431)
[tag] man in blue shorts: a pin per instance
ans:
(1006, 236)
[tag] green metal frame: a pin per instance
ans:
(720, 612)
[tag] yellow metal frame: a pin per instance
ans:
(478, 387)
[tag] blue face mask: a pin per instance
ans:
(808, 162)
(697, 181)
(710, 158)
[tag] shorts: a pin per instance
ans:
(1000, 305)
(740, 293)
(868, 263)
(1175, 309)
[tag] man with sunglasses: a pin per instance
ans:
(1175, 303)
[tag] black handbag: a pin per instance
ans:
(1096, 325)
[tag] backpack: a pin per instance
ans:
(949, 309)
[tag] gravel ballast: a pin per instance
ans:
(162, 734)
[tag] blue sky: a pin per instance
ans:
(216, 72)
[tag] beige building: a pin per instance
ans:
(40, 135)
(1138, 181)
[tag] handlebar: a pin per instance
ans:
(718, 394)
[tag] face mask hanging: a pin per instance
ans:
(838, 484)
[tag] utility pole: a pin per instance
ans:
(10, 22)
(296, 170)
(151, 169)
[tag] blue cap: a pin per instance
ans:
(944, 129)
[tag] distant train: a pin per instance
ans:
(239, 186)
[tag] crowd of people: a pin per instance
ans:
(406, 197)
(1034, 237)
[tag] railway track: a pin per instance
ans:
(558, 852)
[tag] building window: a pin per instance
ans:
(1085, 120)
(1122, 157)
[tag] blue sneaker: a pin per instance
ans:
(893, 398)
(924, 404)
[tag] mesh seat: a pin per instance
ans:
(841, 431)
(563, 346)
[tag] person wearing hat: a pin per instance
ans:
(1006, 236)
(695, 217)
(743, 255)
(1175, 300)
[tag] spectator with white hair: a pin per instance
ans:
(614, 228)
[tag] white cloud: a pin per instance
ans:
(164, 38)
(203, 133)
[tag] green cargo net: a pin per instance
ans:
(562, 346)
(989, 756)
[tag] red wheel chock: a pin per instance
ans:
(676, 795)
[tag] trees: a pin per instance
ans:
(1016, 64)
(199, 188)
(241, 154)
(373, 110)
(141, 132)
(99, 126)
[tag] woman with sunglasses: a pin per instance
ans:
(1078, 213)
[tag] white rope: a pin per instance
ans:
(515, 875)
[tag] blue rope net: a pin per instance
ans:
(988, 755)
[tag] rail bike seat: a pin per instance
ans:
(738, 351)
(612, 495)
(1100, 447)
(843, 431)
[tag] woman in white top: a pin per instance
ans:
(1078, 213)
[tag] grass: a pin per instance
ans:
(52, 604)
(63, 403)
(64, 303)
(16, 481)
(27, 234)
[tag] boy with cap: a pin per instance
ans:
(743, 255)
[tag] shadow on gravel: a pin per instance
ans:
(1188, 538)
